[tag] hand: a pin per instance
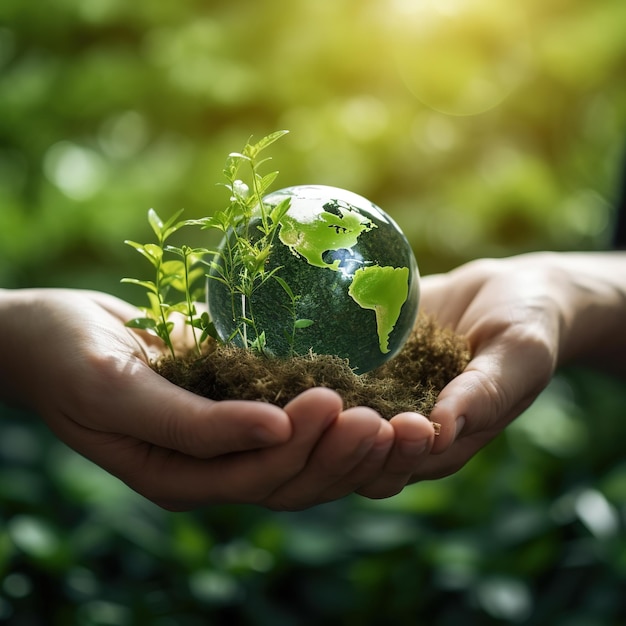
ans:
(523, 316)
(68, 355)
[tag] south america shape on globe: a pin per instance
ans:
(352, 271)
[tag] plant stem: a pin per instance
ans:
(259, 199)
(190, 304)
(165, 335)
(243, 315)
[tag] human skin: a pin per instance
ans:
(68, 357)
(524, 317)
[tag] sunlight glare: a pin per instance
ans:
(460, 57)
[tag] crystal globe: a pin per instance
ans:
(346, 282)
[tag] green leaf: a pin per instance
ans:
(150, 251)
(171, 222)
(155, 305)
(143, 323)
(179, 307)
(259, 343)
(207, 327)
(285, 286)
(154, 251)
(173, 266)
(156, 223)
(265, 182)
(174, 250)
(265, 276)
(239, 156)
(195, 274)
(147, 284)
(164, 229)
(303, 323)
(200, 252)
(220, 220)
(164, 331)
(173, 273)
(280, 210)
(266, 141)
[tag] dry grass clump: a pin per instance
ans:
(410, 382)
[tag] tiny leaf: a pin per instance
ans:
(143, 323)
(280, 210)
(267, 141)
(303, 323)
(171, 222)
(147, 284)
(156, 222)
(285, 286)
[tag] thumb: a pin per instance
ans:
(496, 386)
(146, 406)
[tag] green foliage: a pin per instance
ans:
(178, 274)
(249, 228)
(291, 307)
(530, 532)
(107, 107)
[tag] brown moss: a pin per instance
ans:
(410, 382)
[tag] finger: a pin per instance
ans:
(180, 482)
(330, 471)
(139, 403)
(370, 468)
(413, 439)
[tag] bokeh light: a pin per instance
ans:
(461, 57)
(483, 128)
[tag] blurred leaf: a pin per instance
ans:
(156, 223)
(37, 538)
(146, 284)
(143, 323)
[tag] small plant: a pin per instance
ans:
(248, 227)
(291, 307)
(178, 274)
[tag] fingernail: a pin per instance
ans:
(413, 448)
(266, 436)
(460, 423)
(381, 448)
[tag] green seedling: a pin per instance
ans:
(248, 228)
(177, 275)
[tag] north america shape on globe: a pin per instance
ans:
(383, 289)
(353, 271)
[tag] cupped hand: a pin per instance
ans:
(69, 356)
(523, 317)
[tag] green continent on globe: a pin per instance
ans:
(385, 290)
(310, 238)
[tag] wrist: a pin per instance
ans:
(18, 325)
(594, 309)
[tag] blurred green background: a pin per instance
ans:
(485, 128)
